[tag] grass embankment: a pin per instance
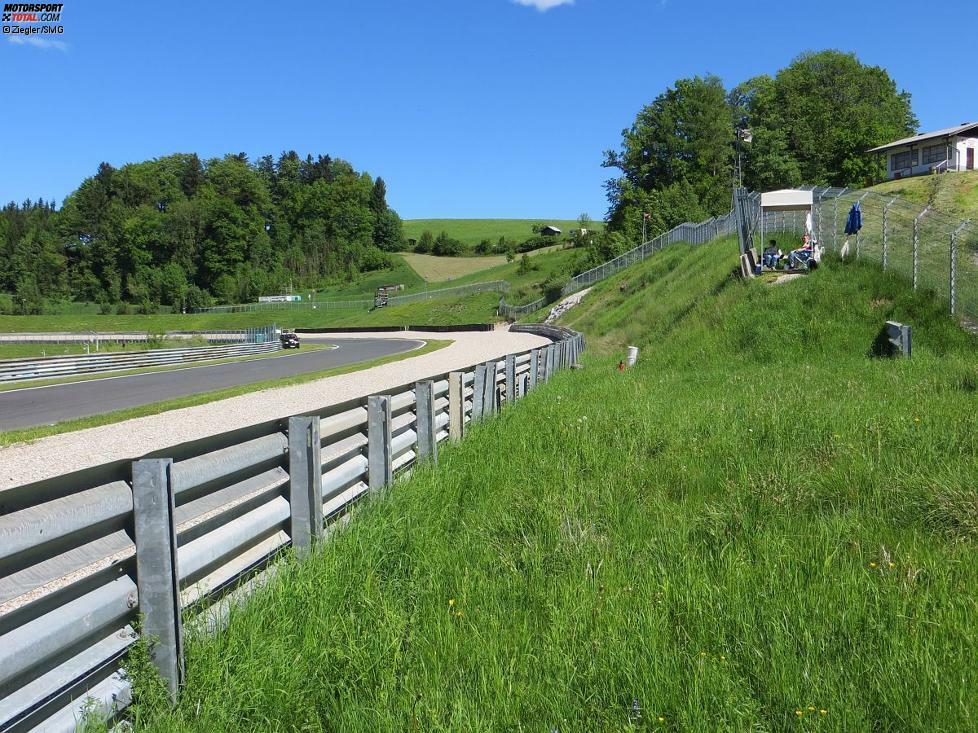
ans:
(524, 284)
(473, 231)
(478, 308)
(757, 528)
(450, 271)
(68, 426)
(955, 194)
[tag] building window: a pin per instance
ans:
(935, 154)
(902, 160)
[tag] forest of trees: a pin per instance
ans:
(182, 232)
(811, 124)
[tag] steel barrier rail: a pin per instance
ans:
(238, 335)
(77, 552)
(12, 370)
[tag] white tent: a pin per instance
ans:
(789, 199)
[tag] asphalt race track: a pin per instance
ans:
(24, 408)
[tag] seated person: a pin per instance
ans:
(771, 256)
(799, 257)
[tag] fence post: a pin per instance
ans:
(305, 483)
(490, 400)
(916, 245)
(157, 574)
(886, 231)
(548, 368)
(379, 471)
(954, 266)
(478, 390)
(818, 219)
(534, 368)
(835, 221)
(510, 378)
(456, 405)
(424, 400)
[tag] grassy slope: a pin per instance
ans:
(756, 524)
(523, 285)
(367, 283)
(473, 231)
(443, 269)
(959, 199)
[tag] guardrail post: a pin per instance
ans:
(305, 483)
(157, 575)
(510, 378)
(549, 367)
(490, 391)
(456, 405)
(379, 471)
(424, 400)
(534, 368)
(478, 390)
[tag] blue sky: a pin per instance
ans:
(467, 108)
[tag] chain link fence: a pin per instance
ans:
(687, 232)
(935, 251)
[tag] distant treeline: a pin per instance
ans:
(811, 123)
(182, 232)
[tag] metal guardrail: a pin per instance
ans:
(492, 286)
(687, 232)
(181, 534)
(14, 370)
(214, 336)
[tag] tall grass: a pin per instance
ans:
(757, 528)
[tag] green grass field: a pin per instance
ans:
(449, 271)
(955, 194)
(758, 528)
(478, 308)
(473, 231)
(366, 284)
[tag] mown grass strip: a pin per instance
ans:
(42, 431)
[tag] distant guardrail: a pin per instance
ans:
(14, 370)
(180, 535)
(94, 338)
(492, 286)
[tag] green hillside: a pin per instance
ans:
(759, 527)
(955, 194)
(473, 231)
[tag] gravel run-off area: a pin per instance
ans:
(23, 463)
